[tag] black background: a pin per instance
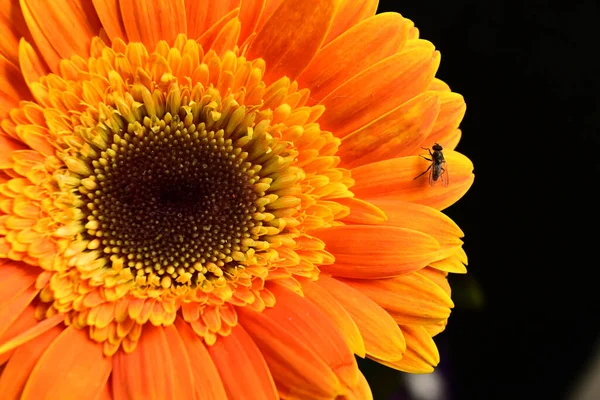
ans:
(528, 72)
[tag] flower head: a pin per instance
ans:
(216, 199)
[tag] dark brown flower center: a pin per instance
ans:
(172, 201)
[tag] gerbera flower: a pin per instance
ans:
(215, 199)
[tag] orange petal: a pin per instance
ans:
(424, 219)
(12, 85)
(250, 12)
(8, 146)
(395, 134)
(362, 46)
(450, 264)
(362, 391)
(11, 309)
(378, 89)
(32, 66)
(227, 38)
(209, 35)
(43, 45)
(207, 382)
(452, 111)
(12, 29)
(450, 140)
(395, 179)
(15, 278)
(350, 13)
(363, 251)
(240, 351)
(306, 321)
(68, 25)
(410, 299)
(183, 387)
(201, 15)
(421, 352)
(72, 367)
(18, 369)
(105, 393)
(162, 20)
(147, 372)
(31, 333)
(337, 314)
(110, 16)
(24, 320)
(383, 338)
(362, 212)
(297, 370)
(438, 277)
(292, 36)
(268, 10)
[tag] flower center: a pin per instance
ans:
(172, 200)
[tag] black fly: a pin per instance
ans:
(438, 168)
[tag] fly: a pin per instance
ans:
(438, 169)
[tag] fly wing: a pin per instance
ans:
(444, 177)
(433, 175)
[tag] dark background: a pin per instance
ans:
(528, 72)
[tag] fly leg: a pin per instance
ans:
(429, 150)
(423, 173)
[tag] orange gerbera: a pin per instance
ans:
(215, 199)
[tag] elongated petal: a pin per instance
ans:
(12, 86)
(31, 333)
(8, 145)
(109, 14)
(350, 13)
(49, 54)
(69, 25)
(396, 177)
(73, 366)
(20, 365)
(378, 89)
(362, 391)
(147, 372)
(438, 277)
(452, 111)
(292, 36)
(362, 212)
(208, 37)
(15, 278)
(411, 299)
(397, 133)
(184, 381)
(207, 382)
(306, 321)
(162, 20)
(227, 37)
(382, 336)
(337, 314)
(11, 309)
(425, 219)
(450, 264)
(12, 29)
(268, 10)
(202, 14)
(250, 12)
(355, 50)
(240, 350)
(23, 321)
(391, 250)
(421, 352)
(297, 370)
(32, 66)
